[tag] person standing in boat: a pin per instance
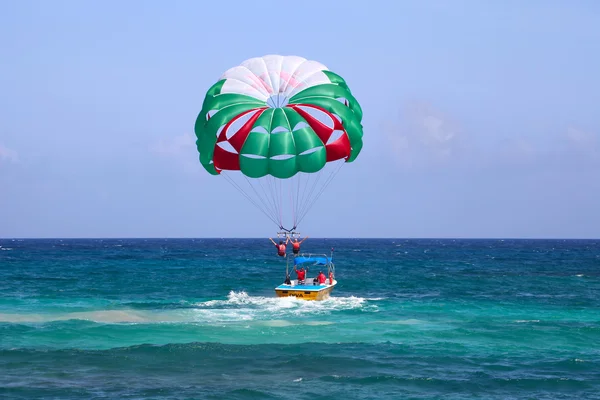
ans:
(281, 247)
(296, 245)
(321, 277)
(301, 274)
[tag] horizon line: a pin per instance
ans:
(313, 237)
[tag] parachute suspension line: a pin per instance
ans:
(274, 186)
(325, 185)
(280, 204)
(277, 197)
(303, 198)
(327, 182)
(273, 192)
(269, 199)
(308, 198)
(308, 194)
(265, 203)
(293, 207)
(290, 183)
(235, 185)
(309, 179)
(296, 209)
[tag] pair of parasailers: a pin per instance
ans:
(281, 251)
(281, 247)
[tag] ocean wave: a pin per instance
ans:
(410, 321)
(102, 316)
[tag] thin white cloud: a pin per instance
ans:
(180, 149)
(515, 151)
(582, 140)
(174, 146)
(7, 154)
(423, 135)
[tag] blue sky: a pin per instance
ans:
(480, 118)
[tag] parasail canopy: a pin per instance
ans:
(279, 128)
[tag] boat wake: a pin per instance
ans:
(238, 307)
(286, 303)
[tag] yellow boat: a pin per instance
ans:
(310, 289)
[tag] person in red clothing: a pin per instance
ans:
(321, 278)
(301, 274)
(281, 246)
(296, 245)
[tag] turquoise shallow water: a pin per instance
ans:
(411, 319)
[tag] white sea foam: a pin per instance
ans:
(276, 311)
(238, 307)
(284, 305)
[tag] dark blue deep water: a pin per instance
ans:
(198, 319)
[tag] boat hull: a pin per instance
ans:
(305, 292)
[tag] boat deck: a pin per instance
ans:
(306, 287)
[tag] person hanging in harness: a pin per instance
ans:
(281, 246)
(296, 245)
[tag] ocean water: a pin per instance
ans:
(198, 319)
